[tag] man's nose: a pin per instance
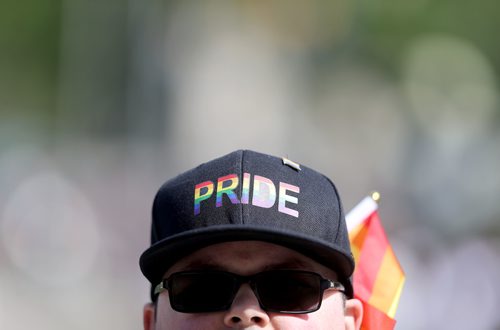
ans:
(245, 310)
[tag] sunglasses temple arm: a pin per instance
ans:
(159, 288)
(336, 285)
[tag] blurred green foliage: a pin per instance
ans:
(387, 26)
(94, 91)
(29, 47)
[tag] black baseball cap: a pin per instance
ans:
(246, 195)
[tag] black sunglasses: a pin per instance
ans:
(282, 291)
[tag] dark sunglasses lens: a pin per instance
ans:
(201, 292)
(289, 291)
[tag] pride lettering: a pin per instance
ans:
(263, 193)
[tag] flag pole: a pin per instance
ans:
(361, 211)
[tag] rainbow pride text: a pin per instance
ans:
(263, 190)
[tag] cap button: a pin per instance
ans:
(290, 163)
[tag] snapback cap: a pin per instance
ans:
(243, 196)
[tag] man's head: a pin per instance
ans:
(245, 225)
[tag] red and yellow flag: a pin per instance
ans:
(378, 278)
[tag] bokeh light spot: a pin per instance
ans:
(49, 230)
(450, 85)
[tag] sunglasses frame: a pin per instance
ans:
(324, 284)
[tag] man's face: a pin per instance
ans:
(248, 258)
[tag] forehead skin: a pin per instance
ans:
(246, 258)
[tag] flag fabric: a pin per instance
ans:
(378, 278)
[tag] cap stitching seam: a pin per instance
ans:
(340, 208)
(241, 186)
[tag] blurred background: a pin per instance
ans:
(102, 101)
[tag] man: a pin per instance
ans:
(249, 241)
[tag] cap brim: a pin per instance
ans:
(159, 257)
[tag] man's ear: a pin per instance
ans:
(148, 316)
(353, 314)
